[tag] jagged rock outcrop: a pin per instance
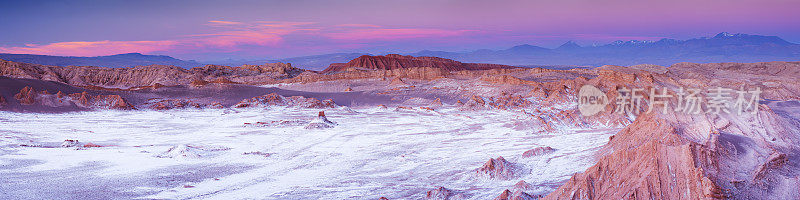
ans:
(421, 73)
(191, 151)
(474, 103)
(506, 79)
(496, 168)
(198, 82)
(25, 96)
(70, 143)
(424, 72)
(321, 122)
(280, 68)
(441, 193)
(394, 61)
(397, 81)
(777, 80)
(537, 152)
(422, 102)
(677, 156)
(29, 96)
(77, 144)
(681, 156)
(522, 185)
(775, 161)
(182, 151)
(649, 160)
(3, 102)
(273, 99)
(518, 195)
(504, 101)
(168, 104)
(101, 101)
(249, 74)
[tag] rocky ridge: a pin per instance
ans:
(29, 96)
(141, 76)
(273, 99)
(395, 61)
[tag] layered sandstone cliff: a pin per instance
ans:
(673, 155)
(778, 80)
(395, 61)
(149, 75)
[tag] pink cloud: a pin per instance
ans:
(218, 22)
(393, 34)
(231, 36)
(227, 38)
(359, 25)
(235, 38)
(277, 24)
(92, 48)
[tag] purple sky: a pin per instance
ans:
(205, 30)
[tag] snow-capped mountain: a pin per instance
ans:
(723, 47)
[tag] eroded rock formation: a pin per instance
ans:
(441, 193)
(517, 195)
(167, 104)
(149, 75)
(496, 168)
(29, 96)
(25, 96)
(503, 101)
(394, 61)
(321, 122)
(273, 99)
(679, 156)
(537, 151)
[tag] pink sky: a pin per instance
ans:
(273, 29)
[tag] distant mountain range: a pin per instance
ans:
(315, 62)
(723, 47)
(113, 61)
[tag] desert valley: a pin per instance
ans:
(400, 100)
(392, 126)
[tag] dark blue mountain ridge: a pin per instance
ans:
(113, 61)
(722, 47)
(526, 48)
(569, 45)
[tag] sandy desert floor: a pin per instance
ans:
(198, 154)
